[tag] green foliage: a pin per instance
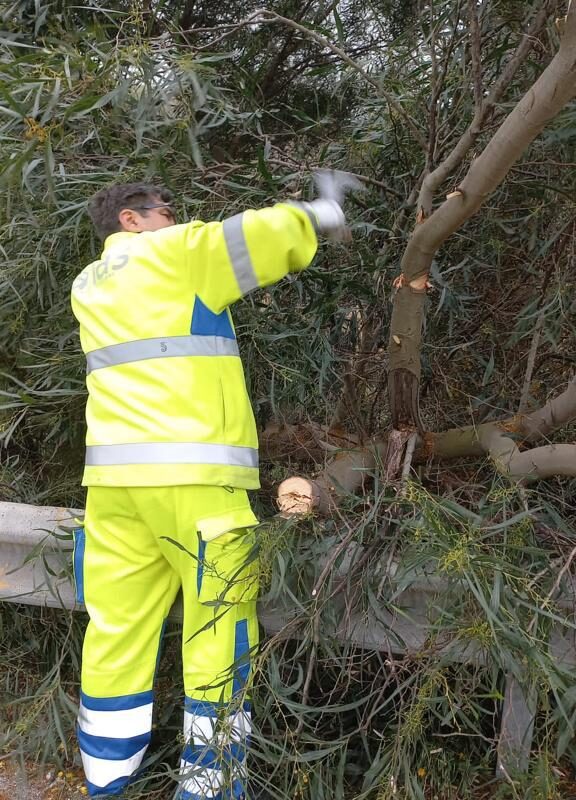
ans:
(228, 117)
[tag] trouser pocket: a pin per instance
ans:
(228, 559)
(78, 562)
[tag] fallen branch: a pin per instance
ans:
(343, 476)
(527, 428)
(346, 474)
(538, 463)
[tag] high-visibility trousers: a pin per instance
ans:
(137, 548)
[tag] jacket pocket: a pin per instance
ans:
(228, 558)
(78, 562)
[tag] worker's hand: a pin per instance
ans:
(332, 187)
(333, 184)
(330, 219)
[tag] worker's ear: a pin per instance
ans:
(130, 220)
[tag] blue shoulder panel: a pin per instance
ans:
(207, 323)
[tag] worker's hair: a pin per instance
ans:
(106, 204)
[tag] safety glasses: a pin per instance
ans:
(150, 206)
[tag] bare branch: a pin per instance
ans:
(531, 360)
(555, 414)
(538, 463)
(266, 16)
(475, 53)
(529, 428)
(228, 30)
(311, 166)
(483, 112)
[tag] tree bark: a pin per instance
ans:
(545, 99)
(527, 428)
(538, 463)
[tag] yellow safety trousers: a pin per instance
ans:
(139, 546)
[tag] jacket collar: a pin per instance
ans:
(116, 238)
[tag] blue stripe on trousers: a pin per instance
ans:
(241, 657)
(79, 548)
(109, 748)
(114, 788)
(204, 708)
(121, 703)
(201, 558)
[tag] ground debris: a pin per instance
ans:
(31, 782)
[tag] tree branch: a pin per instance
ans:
(555, 414)
(538, 463)
(545, 99)
(266, 16)
(475, 53)
(527, 428)
(343, 476)
(482, 113)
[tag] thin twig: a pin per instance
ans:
(483, 113)
(560, 575)
(550, 568)
(228, 30)
(265, 16)
(531, 361)
(475, 52)
(292, 162)
(560, 245)
(439, 87)
(332, 559)
(310, 670)
(435, 92)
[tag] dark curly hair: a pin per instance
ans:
(106, 204)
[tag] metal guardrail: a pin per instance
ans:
(36, 549)
(36, 555)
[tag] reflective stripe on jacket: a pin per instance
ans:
(167, 401)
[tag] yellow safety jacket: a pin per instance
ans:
(167, 400)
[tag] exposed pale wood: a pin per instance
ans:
(345, 475)
(299, 496)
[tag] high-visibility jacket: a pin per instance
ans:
(167, 400)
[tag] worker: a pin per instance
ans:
(171, 450)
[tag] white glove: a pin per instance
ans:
(332, 186)
(329, 218)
